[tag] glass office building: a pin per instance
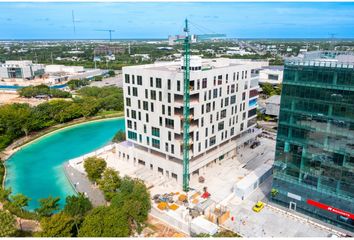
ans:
(314, 160)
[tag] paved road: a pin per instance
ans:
(116, 81)
(83, 185)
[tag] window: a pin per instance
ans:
(232, 99)
(152, 107)
(160, 96)
(215, 93)
(232, 131)
(129, 123)
(139, 116)
(204, 83)
(153, 94)
(139, 80)
(135, 92)
(163, 109)
(219, 79)
(198, 84)
(223, 114)
(132, 135)
(126, 76)
(139, 104)
(173, 152)
(166, 147)
(169, 84)
(243, 96)
(220, 126)
(169, 123)
(145, 128)
(133, 114)
(151, 82)
(147, 117)
(169, 111)
(273, 77)
(155, 132)
(146, 94)
(128, 90)
(128, 102)
(178, 85)
(206, 132)
(156, 143)
(197, 136)
(226, 101)
(160, 121)
(148, 140)
(146, 105)
(169, 136)
(232, 88)
(212, 141)
(133, 79)
(158, 82)
(169, 97)
(207, 108)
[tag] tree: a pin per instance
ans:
(119, 137)
(133, 198)
(58, 225)
(111, 73)
(77, 205)
(105, 222)
(98, 78)
(267, 89)
(7, 224)
(109, 183)
(94, 167)
(47, 206)
(20, 200)
(5, 193)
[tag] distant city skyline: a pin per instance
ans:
(144, 20)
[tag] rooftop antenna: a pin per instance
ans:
(110, 33)
(332, 40)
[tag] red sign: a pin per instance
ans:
(330, 209)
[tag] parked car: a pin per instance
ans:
(258, 206)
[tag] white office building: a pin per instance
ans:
(223, 101)
(271, 74)
(25, 70)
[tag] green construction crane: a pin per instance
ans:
(186, 110)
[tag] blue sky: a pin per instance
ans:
(159, 19)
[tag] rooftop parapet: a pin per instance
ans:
(332, 59)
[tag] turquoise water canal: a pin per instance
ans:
(37, 169)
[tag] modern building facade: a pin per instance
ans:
(223, 101)
(271, 74)
(25, 70)
(314, 161)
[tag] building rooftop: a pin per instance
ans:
(337, 59)
(275, 99)
(195, 62)
(276, 68)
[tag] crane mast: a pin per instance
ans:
(186, 108)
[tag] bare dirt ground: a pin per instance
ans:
(8, 97)
(157, 228)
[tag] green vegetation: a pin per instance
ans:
(134, 199)
(17, 120)
(77, 206)
(111, 73)
(20, 200)
(59, 225)
(223, 234)
(98, 78)
(94, 167)
(47, 206)
(33, 91)
(105, 222)
(76, 84)
(2, 173)
(109, 183)
(119, 137)
(7, 224)
(269, 90)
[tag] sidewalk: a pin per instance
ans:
(81, 184)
